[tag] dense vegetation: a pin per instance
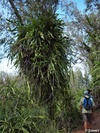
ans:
(20, 113)
(43, 97)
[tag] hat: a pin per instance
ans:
(89, 90)
(86, 94)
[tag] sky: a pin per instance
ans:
(6, 66)
(80, 4)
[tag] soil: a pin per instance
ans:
(95, 128)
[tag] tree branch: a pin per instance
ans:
(86, 47)
(16, 11)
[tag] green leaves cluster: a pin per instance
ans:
(18, 113)
(41, 52)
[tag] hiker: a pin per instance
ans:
(86, 107)
(93, 117)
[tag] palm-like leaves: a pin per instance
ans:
(41, 53)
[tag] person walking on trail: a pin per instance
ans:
(93, 117)
(87, 105)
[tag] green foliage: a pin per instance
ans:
(20, 113)
(85, 31)
(41, 52)
(92, 24)
(79, 81)
(96, 70)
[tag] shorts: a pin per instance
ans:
(87, 117)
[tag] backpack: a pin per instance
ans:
(87, 103)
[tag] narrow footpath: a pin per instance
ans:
(95, 128)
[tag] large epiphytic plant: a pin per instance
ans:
(41, 52)
(39, 47)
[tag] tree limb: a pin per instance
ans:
(16, 11)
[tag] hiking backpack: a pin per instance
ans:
(87, 103)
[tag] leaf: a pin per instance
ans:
(24, 130)
(42, 35)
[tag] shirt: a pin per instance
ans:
(83, 109)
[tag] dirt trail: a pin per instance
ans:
(95, 128)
